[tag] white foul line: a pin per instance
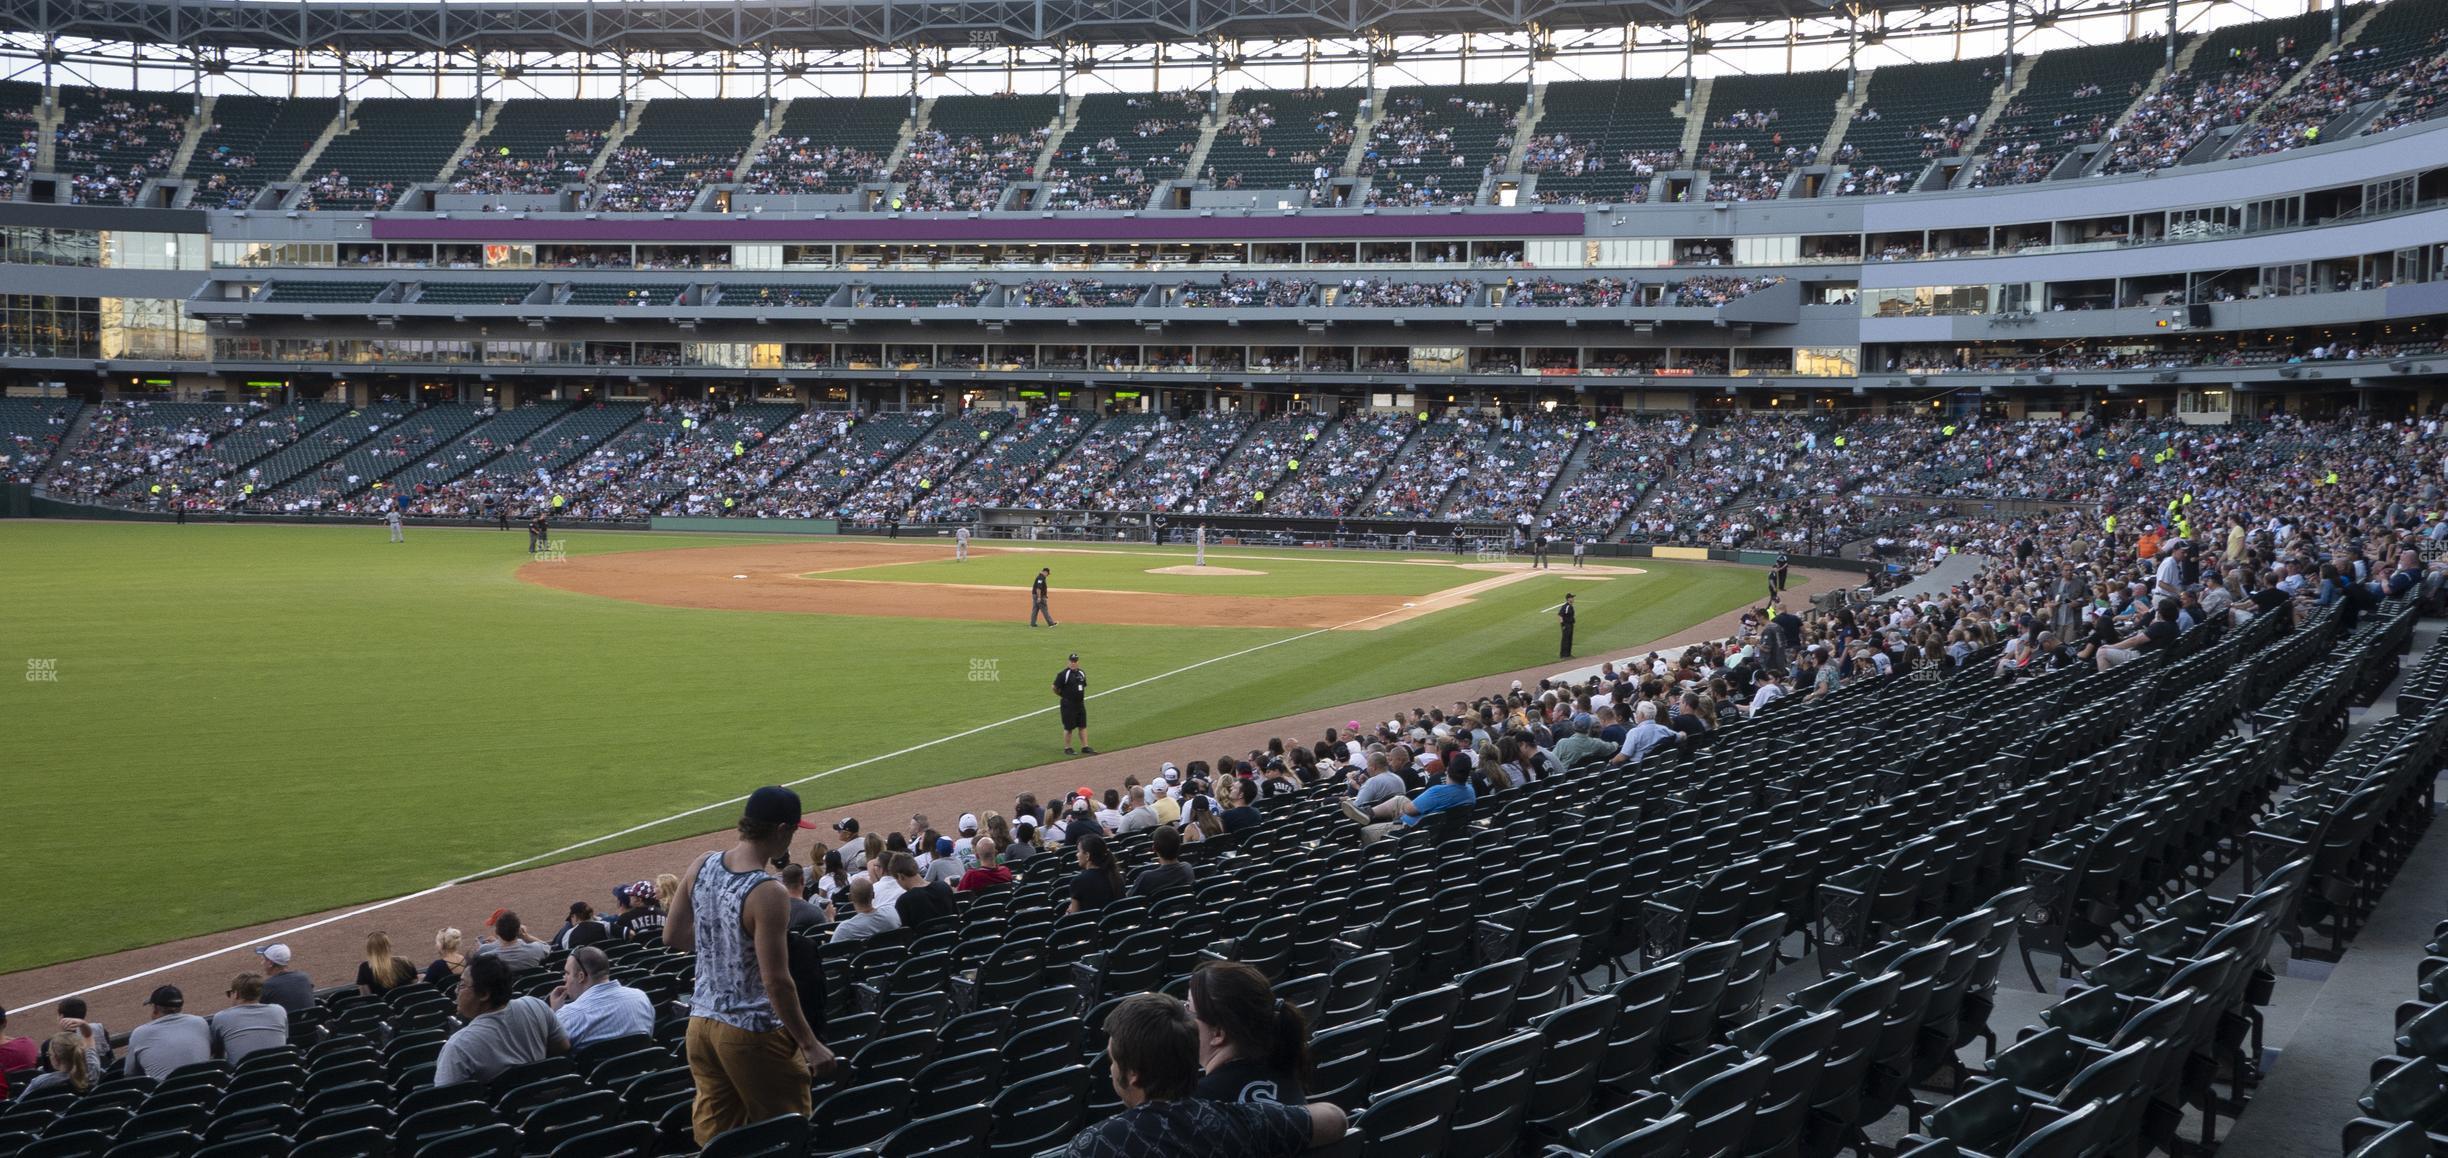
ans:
(523, 862)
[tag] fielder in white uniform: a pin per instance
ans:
(960, 544)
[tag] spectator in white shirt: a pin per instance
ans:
(1771, 689)
(869, 920)
(593, 1006)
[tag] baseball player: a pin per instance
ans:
(1776, 579)
(960, 543)
(1037, 599)
(393, 517)
(1071, 687)
(1580, 548)
(1564, 619)
(537, 528)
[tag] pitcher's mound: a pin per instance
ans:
(1194, 569)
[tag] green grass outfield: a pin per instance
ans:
(253, 722)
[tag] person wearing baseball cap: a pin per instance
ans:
(752, 1050)
(291, 989)
(847, 828)
(172, 1038)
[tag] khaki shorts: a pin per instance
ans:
(744, 1077)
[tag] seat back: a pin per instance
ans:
(1496, 1082)
(954, 1134)
(1410, 1121)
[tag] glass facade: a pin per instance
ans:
(49, 326)
(27, 245)
(155, 329)
(127, 249)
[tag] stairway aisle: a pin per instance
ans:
(2316, 1066)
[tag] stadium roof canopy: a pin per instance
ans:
(573, 26)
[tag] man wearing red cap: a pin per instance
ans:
(750, 1047)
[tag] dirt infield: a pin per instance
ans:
(1196, 569)
(791, 577)
(329, 944)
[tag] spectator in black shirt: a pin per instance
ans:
(1253, 1045)
(1098, 882)
(1168, 875)
(1244, 813)
(922, 902)
(1153, 1044)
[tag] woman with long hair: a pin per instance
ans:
(1253, 1045)
(996, 828)
(833, 879)
(1201, 821)
(73, 1065)
(381, 972)
(1099, 880)
(448, 961)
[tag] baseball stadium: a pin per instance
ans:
(1786, 581)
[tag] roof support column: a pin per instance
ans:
(2010, 45)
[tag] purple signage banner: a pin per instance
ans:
(1223, 227)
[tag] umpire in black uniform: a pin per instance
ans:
(1564, 618)
(1037, 599)
(1071, 687)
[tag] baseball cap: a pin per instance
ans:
(943, 846)
(774, 804)
(1084, 792)
(276, 954)
(167, 997)
(1024, 820)
(968, 822)
(846, 824)
(1172, 774)
(1075, 657)
(1517, 685)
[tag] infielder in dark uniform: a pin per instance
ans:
(1037, 599)
(536, 532)
(1564, 618)
(1776, 579)
(1071, 687)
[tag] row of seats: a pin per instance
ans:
(1431, 143)
(1279, 138)
(1121, 146)
(31, 430)
(828, 145)
(2070, 98)
(391, 143)
(253, 141)
(537, 146)
(1910, 115)
(1010, 462)
(677, 148)
(362, 467)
